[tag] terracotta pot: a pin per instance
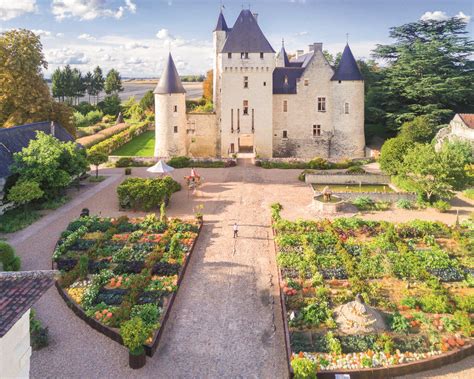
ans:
(136, 361)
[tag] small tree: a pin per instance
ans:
(8, 260)
(24, 192)
(148, 100)
(113, 82)
(207, 86)
(392, 153)
(96, 158)
(163, 212)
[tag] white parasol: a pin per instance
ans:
(160, 168)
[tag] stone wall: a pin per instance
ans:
(202, 135)
(376, 196)
(345, 178)
(15, 350)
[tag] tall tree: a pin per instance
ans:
(113, 82)
(89, 84)
(24, 95)
(207, 86)
(430, 71)
(97, 83)
(57, 84)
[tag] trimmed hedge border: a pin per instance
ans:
(114, 333)
(378, 372)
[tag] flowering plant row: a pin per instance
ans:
(122, 271)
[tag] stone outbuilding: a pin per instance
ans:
(461, 128)
(18, 292)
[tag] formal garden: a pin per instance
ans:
(121, 274)
(365, 294)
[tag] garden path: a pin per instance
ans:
(222, 322)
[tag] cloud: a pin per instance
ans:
(442, 16)
(60, 35)
(66, 56)
(300, 34)
(135, 45)
(41, 32)
(89, 9)
(86, 37)
(12, 9)
(164, 34)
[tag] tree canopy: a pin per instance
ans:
(429, 72)
(24, 95)
(113, 82)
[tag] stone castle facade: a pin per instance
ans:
(264, 103)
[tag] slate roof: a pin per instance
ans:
(221, 24)
(13, 140)
(246, 36)
(468, 119)
(169, 80)
(18, 292)
(283, 54)
(347, 68)
(293, 74)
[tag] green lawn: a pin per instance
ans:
(141, 146)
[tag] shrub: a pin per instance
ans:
(356, 170)
(111, 105)
(318, 164)
(128, 171)
(24, 192)
(364, 203)
(124, 162)
(333, 344)
(435, 303)
(149, 313)
(404, 204)
(9, 261)
(303, 368)
(302, 176)
(441, 206)
(179, 162)
(399, 323)
(38, 334)
(134, 334)
(139, 193)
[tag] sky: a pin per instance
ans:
(134, 36)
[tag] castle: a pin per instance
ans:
(264, 103)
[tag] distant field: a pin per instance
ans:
(141, 146)
(138, 88)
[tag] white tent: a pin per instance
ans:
(160, 168)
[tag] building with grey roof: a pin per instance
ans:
(265, 104)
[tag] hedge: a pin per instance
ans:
(120, 139)
(146, 194)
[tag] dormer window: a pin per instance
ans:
(286, 80)
(261, 55)
(229, 55)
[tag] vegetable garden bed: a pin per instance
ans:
(115, 270)
(416, 275)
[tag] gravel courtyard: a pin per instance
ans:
(226, 319)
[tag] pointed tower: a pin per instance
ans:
(170, 113)
(348, 102)
(219, 37)
(282, 57)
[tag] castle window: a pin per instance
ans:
(229, 55)
(261, 55)
(306, 82)
(285, 134)
(246, 82)
(321, 104)
(264, 84)
(285, 106)
(346, 108)
(246, 107)
(244, 55)
(175, 109)
(232, 121)
(175, 129)
(316, 130)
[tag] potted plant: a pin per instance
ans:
(134, 334)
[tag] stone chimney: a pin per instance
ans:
(299, 53)
(255, 15)
(53, 129)
(316, 46)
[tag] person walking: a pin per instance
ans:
(236, 230)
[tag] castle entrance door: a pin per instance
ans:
(246, 143)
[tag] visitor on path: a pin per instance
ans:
(236, 230)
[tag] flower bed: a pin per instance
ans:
(417, 276)
(114, 271)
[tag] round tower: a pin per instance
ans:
(219, 36)
(170, 113)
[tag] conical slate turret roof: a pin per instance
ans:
(282, 55)
(169, 80)
(347, 68)
(221, 24)
(246, 36)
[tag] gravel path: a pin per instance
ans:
(222, 320)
